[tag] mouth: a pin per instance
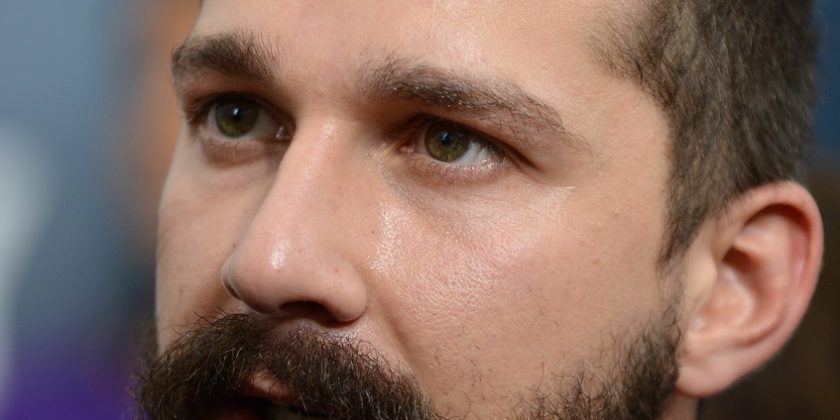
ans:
(279, 412)
(263, 398)
(246, 408)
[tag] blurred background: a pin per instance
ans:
(87, 124)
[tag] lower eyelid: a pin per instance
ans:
(232, 152)
(433, 172)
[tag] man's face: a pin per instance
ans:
(463, 188)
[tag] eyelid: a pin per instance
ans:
(452, 174)
(222, 149)
(423, 121)
(196, 109)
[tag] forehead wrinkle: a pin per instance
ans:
(408, 80)
(236, 54)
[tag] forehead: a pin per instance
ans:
(457, 33)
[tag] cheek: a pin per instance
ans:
(190, 256)
(497, 289)
(198, 229)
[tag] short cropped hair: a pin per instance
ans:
(736, 80)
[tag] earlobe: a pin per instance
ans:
(767, 251)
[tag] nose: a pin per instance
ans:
(299, 255)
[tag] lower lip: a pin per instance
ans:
(235, 409)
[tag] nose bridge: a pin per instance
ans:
(309, 183)
(297, 248)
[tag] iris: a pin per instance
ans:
(447, 142)
(236, 117)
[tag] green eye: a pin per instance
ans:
(446, 142)
(236, 117)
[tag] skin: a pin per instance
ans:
(484, 282)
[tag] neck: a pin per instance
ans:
(681, 408)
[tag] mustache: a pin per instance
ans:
(328, 376)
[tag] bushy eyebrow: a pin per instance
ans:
(396, 79)
(233, 54)
(241, 55)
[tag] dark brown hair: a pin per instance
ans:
(735, 78)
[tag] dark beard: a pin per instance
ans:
(335, 378)
(329, 376)
(637, 383)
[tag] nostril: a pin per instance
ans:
(306, 309)
(227, 277)
(301, 307)
(230, 289)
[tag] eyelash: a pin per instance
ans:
(197, 112)
(415, 131)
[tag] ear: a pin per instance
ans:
(749, 278)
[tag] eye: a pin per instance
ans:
(236, 118)
(235, 128)
(454, 144)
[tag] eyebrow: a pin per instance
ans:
(404, 80)
(235, 54)
(243, 55)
